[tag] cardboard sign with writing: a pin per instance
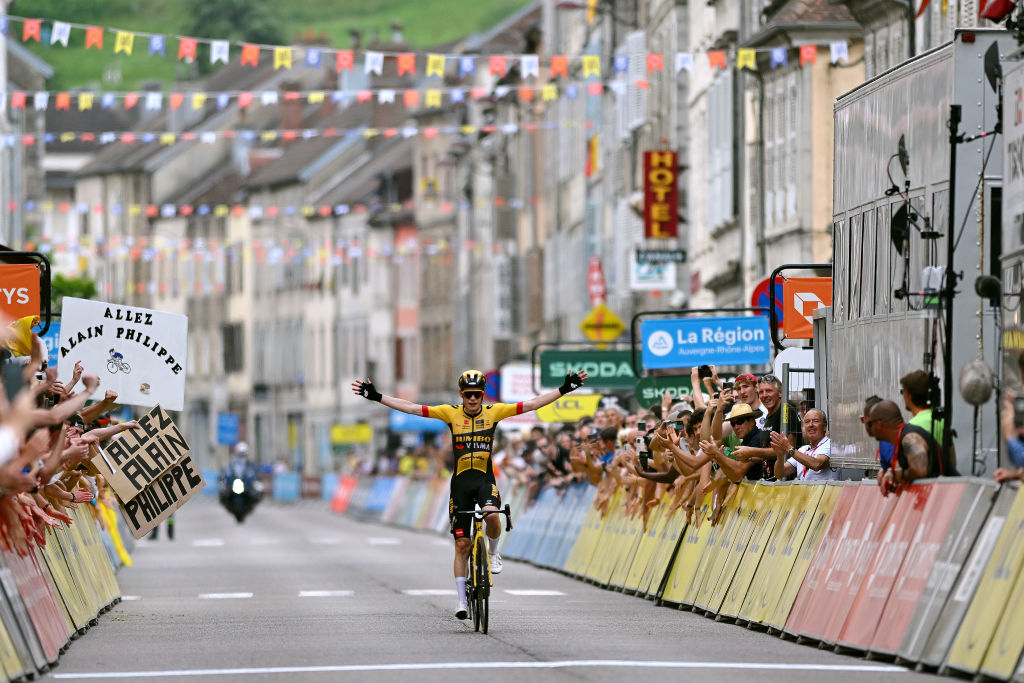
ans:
(135, 458)
(138, 352)
(159, 500)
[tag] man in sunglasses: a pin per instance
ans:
(472, 424)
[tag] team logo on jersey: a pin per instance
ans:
(459, 446)
(494, 490)
(459, 533)
(480, 422)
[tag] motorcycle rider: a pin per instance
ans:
(242, 469)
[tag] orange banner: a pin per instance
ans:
(800, 296)
(19, 290)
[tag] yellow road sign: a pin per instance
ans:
(601, 324)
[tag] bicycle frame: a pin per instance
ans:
(478, 580)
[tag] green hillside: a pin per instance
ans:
(427, 23)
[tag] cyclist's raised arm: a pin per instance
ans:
(572, 382)
(365, 388)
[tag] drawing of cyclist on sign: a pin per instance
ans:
(472, 425)
(117, 362)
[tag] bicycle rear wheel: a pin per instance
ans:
(483, 581)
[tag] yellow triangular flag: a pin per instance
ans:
(746, 59)
(435, 65)
(85, 100)
(591, 65)
(124, 42)
(198, 100)
(432, 98)
(282, 58)
(549, 92)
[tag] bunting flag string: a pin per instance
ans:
(415, 63)
(274, 135)
(42, 100)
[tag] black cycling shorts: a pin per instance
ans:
(467, 491)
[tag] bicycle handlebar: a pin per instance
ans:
(480, 514)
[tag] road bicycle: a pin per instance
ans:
(478, 582)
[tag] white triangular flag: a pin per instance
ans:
(60, 33)
(839, 50)
(374, 63)
(219, 51)
(531, 66)
(684, 60)
(386, 96)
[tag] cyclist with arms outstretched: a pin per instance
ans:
(472, 424)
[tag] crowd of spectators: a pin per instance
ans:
(49, 431)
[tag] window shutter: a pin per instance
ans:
(636, 48)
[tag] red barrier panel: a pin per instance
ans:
(854, 556)
(901, 530)
(40, 602)
(909, 585)
(822, 559)
(343, 493)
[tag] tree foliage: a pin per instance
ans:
(252, 21)
(78, 287)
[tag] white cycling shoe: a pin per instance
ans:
(462, 612)
(496, 565)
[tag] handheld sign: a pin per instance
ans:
(151, 471)
(138, 352)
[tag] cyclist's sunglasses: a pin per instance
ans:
(472, 394)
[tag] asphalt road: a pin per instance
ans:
(300, 594)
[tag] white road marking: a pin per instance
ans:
(207, 542)
(537, 592)
(131, 597)
(566, 664)
(325, 594)
(325, 540)
(224, 596)
(431, 591)
(383, 540)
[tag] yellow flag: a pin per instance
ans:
(746, 59)
(47, 205)
(432, 98)
(468, 130)
(67, 137)
(268, 135)
(591, 10)
(308, 211)
(435, 65)
(221, 210)
(371, 133)
(549, 92)
(135, 210)
(198, 100)
(316, 97)
(168, 138)
(591, 65)
(124, 42)
(85, 100)
(282, 58)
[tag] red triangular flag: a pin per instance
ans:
(187, 48)
(406, 63)
(244, 99)
(560, 65)
(94, 37)
(250, 54)
(344, 60)
(31, 29)
(716, 58)
(497, 63)
(131, 99)
(654, 62)
(808, 53)
(411, 97)
(176, 99)
(17, 100)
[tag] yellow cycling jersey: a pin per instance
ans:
(473, 435)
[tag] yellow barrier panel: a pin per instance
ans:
(104, 570)
(633, 534)
(69, 593)
(730, 547)
(647, 545)
(709, 572)
(664, 552)
(696, 540)
(586, 541)
(990, 599)
(770, 508)
(600, 537)
(1008, 640)
(713, 547)
(9, 662)
(609, 545)
(796, 509)
(77, 553)
(801, 549)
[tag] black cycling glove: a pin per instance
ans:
(572, 383)
(369, 392)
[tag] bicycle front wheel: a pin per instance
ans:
(472, 590)
(483, 581)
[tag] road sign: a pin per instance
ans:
(606, 369)
(759, 298)
(661, 256)
(687, 342)
(228, 427)
(601, 324)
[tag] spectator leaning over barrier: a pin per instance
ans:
(472, 425)
(744, 423)
(811, 461)
(916, 454)
(769, 390)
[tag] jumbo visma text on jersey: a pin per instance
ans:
(473, 435)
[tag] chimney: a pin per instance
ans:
(396, 32)
(291, 109)
(357, 38)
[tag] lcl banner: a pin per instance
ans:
(800, 296)
(19, 290)
(661, 194)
